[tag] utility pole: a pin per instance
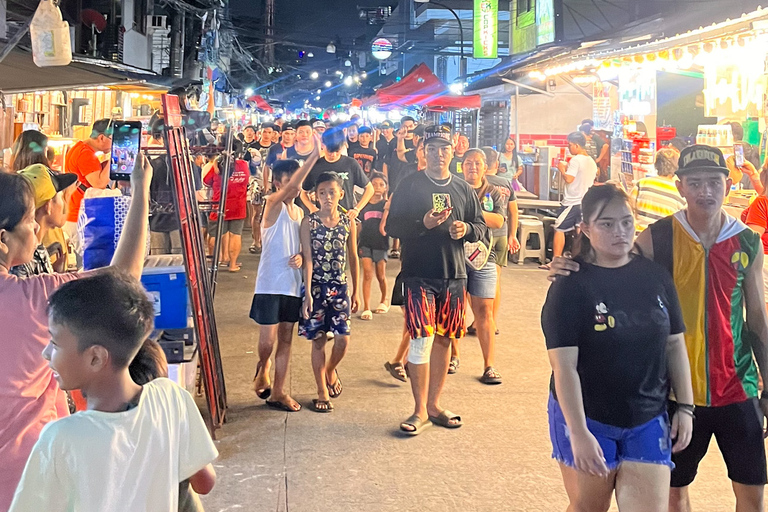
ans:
(269, 49)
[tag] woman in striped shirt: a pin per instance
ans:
(657, 197)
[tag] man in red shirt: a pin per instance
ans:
(234, 211)
(83, 161)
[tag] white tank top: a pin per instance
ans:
(279, 242)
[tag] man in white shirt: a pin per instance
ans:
(579, 175)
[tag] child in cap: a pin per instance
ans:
(50, 213)
(134, 444)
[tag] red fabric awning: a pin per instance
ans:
(421, 87)
(261, 103)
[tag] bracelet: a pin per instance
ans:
(687, 411)
(686, 407)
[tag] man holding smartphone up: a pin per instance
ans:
(91, 171)
(434, 213)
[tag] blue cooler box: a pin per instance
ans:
(165, 280)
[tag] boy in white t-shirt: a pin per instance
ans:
(579, 175)
(134, 444)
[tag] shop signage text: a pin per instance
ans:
(486, 29)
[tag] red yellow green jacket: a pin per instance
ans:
(710, 287)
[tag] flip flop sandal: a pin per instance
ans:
(453, 366)
(264, 393)
(490, 376)
(545, 266)
(328, 406)
(281, 406)
(236, 268)
(252, 249)
(417, 423)
(396, 370)
(471, 331)
(444, 419)
(366, 315)
(332, 387)
(382, 309)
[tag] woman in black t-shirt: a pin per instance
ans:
(614, 334)
(372, 246)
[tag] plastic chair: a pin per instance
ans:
(528, 227)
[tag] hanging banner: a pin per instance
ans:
(486, 29)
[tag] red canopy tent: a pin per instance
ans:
(261, 103)
(421, 87)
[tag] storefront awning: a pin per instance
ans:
(421, 87)
(18, 73)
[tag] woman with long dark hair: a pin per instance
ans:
(510, 165)
(30, 390)
(30, 147)
(614, 334)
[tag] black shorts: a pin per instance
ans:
(434, 307)
(738, 429)
(568, 218)
(397, 292)
(269, 309)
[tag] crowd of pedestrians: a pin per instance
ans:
(656, 343)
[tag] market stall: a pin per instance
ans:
(691, 85)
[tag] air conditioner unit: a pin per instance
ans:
(157, 22)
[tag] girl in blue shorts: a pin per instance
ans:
(614, 334)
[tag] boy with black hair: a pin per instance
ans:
(277, 299)
(346, 168)
(328, 238)
(148, 438)
(364, 152)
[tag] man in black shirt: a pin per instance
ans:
(462, 145)
(347, 168)
(364, 152)
(385, 146)
(434, 214)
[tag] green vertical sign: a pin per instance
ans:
(486, 29)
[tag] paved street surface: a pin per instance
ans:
(354, 459)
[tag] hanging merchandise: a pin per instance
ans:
(51, 44)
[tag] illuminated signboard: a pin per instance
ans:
(545, 21)
(735, 82)
(523, 26)
(381, 48)
(486, 29)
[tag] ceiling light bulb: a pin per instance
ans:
(348, 80)
(314, 75)
(310, 55)
(348, 63)
(331, 48)
(328, 83)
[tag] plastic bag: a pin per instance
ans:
(51, 44)
(101, 224)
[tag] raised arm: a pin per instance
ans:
(306, 251)
(354, 265)
(129, 255)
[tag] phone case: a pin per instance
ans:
(440, 202)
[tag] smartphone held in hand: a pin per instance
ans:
(126, 142)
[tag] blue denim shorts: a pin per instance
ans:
(482, 283)
(649, 443)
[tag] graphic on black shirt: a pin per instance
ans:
(432, 253)
(366, 157)
(348, 170)
(620, 320)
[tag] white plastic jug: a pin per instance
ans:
(51, 43)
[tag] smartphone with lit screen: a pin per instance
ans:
(126, 143)
(738, 154)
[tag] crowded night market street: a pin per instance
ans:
(383, 255)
